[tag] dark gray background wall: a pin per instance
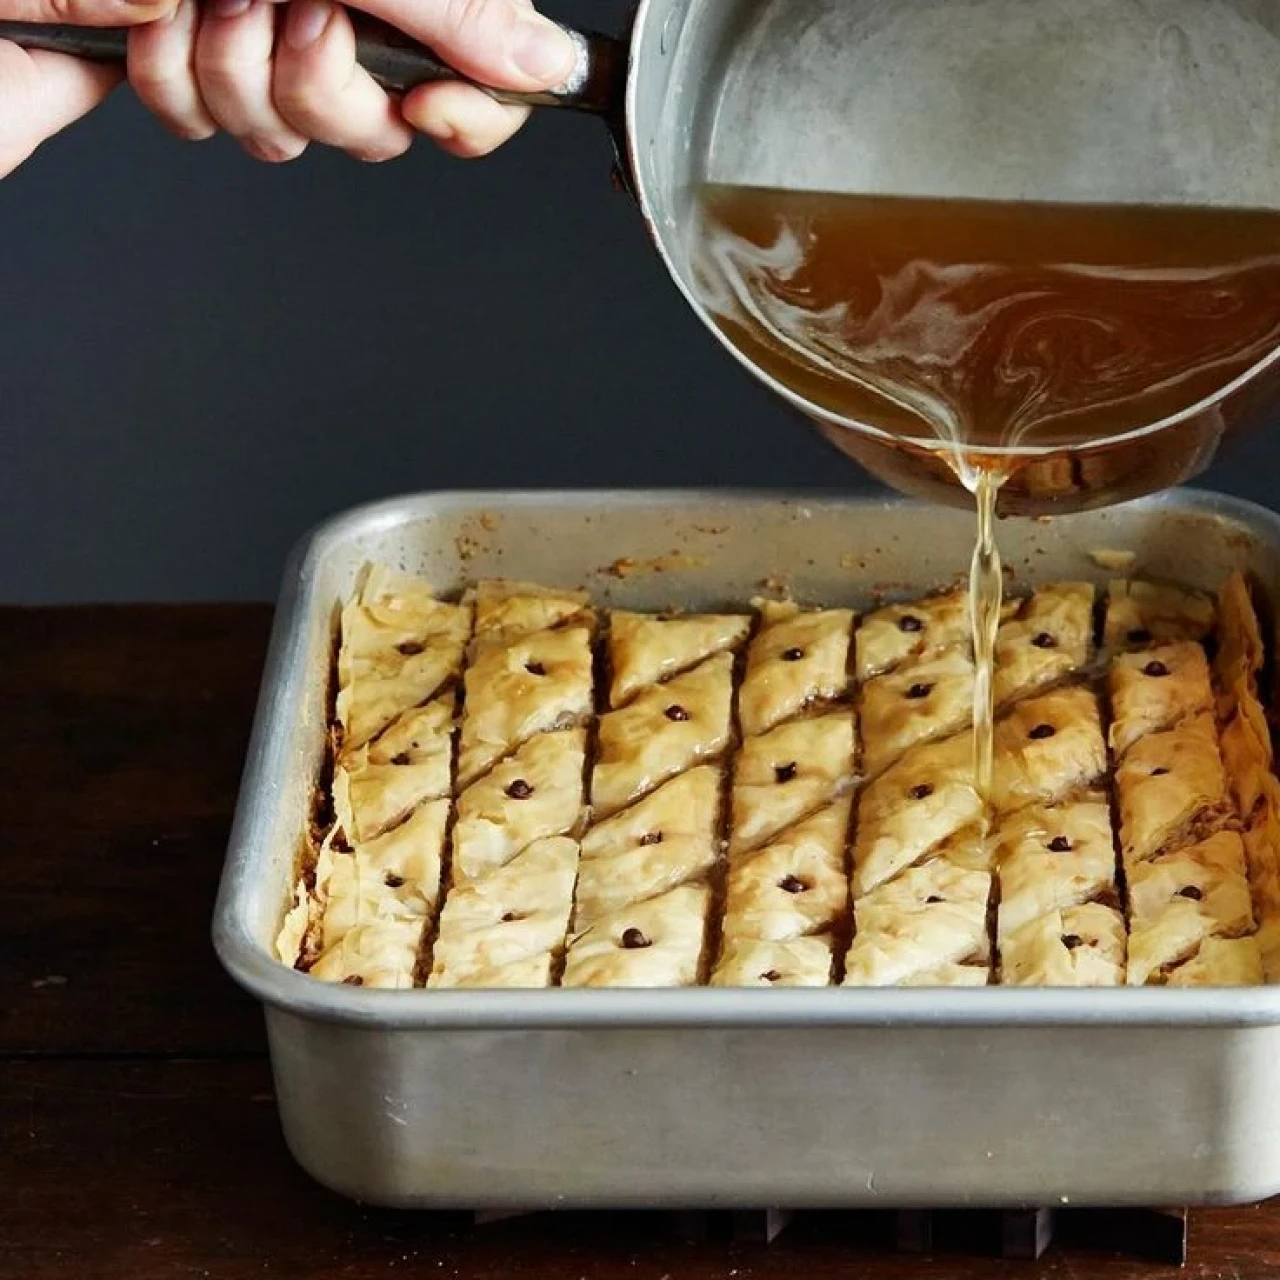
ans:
(201, 355)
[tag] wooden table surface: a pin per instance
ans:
(138, 1134)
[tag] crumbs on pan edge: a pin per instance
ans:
(628, 567)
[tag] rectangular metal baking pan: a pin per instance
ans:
(720, 1098)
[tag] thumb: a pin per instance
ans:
(505, 44)
(42, 93)
(86, 13)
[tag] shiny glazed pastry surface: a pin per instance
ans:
(530, 791)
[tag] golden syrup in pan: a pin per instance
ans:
(965, 325)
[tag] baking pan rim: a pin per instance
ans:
(255, 968)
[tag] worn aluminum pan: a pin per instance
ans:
(707, 1098)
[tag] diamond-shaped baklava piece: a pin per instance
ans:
(900, 632)
(1247, 753)
(1048, 638)
(646, 649)
(1247, 749)
(378, 898)
(787, 773)
(1152, 689)
(660, 842)
(506, 612)
(371, 703)
(1172, 788)
(529, 974)
(1141, 614)
(919, 703)
(532, 685)
(509, 916)
(1262, 837)
(300, 916)
(797, 962)
(1051, 857)
(926, 798)
(365, 911)
(664, 730)
(1222, 962)
(395, 873)
(399, 647)
(931, 916)
(377, 785)
(382, 953)
(657, 943)
(950, 975)
(1262, 854)
(386, 610)
(1046, 748)
(419, 736)
(1241, 652)
(1180, 900)
(1080, 946)
(795, 884)
(799, 658)
(533, 794)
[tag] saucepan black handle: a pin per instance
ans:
(391, 58)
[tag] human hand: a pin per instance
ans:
(278, 76)
(41, 93)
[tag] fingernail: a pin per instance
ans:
(272, 150)
(542, 50)
(230, 8)
(184, 10)
(306, 22)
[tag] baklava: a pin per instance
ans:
(528, 790)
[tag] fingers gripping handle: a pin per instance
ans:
(391, 58)
(595, 84)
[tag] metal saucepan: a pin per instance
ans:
(1105, 101)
